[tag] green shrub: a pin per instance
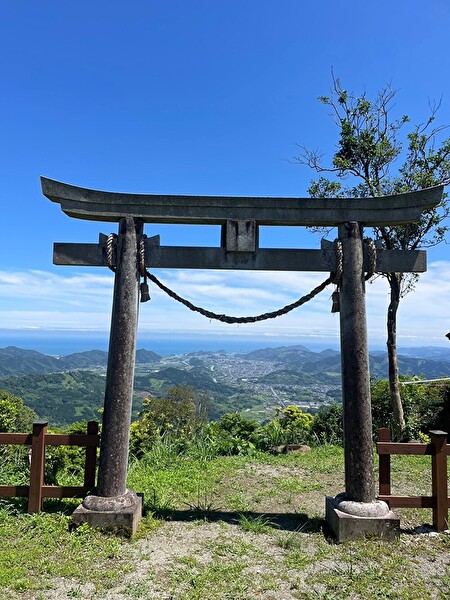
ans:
(328, 427)
(15, 417)
(425, 406)
(64, 465)
(290, 426)
(234, 434)
(181, 413)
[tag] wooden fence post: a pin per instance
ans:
(37, 466)
(439, 479)
(91, 458)
(384, 462)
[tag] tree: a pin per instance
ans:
(378, 155)
(328, 426)
(425, 406)
(181, 412)
(14, 415)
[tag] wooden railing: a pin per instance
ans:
(37, 441)
(439, 500)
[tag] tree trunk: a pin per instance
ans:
(394, 387)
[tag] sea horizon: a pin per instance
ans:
(58, 343)
(61, 345)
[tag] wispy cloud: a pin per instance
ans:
(82, 301)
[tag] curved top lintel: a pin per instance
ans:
(93, 205)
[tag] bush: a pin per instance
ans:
(64, 465)
(234, 434)
(425, 406)
(15, 417)
(328, 426)
(181, 413)
(295, 423)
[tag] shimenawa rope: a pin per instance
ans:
(333, 278)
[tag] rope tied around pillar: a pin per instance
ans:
(144, 289)
(372, 249)
(372, 258)
(111, 251)
(333, 278)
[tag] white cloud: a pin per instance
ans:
(82, 301)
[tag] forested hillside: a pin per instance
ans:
(71, 388)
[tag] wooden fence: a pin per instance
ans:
(38, 440)
(438, 449)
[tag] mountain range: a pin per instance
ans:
(71, 388)
(16, 361)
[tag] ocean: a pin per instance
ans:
(58, 343)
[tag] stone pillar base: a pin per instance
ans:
(118, 514)
(350, 521)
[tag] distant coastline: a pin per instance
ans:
(58, 343)
(61, 343)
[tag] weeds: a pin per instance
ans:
(159, 505)
(256, 524)
(290, 540)
(204, 501)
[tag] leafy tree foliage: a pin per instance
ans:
(181, 412)
(14, 415)
(234, 434)
(64, 465)
(376, 155)
(328, 426)
(425, 406)
(295, 423)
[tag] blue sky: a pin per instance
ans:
(196, 97)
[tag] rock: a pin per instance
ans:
(297, 448)
(290, 448)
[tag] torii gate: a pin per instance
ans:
(351, 514)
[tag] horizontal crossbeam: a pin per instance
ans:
(265, 259)
(94, 205)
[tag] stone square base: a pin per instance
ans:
(346, 527)
(121, 520)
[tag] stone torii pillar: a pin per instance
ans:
(359, 484)
(113, 505)
(351, 514)
(356, 512)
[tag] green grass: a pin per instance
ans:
(197, 581)
(37, 548)
(230, 527)
(255, 524)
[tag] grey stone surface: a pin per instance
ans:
(113, 462)
(112, 503)
(122, 520)
(241, 236)
(263, 259)
(376, 508)
(347, 528)
(359, 479)
(96, 205)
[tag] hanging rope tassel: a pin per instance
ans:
(335, 306)
(144, 289)
(145, 292)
